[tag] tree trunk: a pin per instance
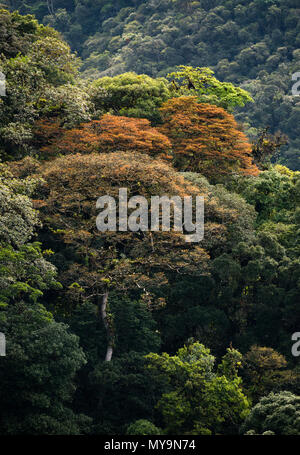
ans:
(108, 328)
(51, 8)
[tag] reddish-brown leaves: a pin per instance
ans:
(205, 138)
(109, 134)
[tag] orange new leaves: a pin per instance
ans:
(205, 138)
(199, 137)
(110, 134)
(125, 134)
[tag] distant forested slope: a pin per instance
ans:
(252, 43)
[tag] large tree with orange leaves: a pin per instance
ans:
(140, 262)
(144, 265)
(109, 134)
(206, 139)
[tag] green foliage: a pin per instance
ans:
(274, 105)
(277, 412)
(199, 400)
(275, 195)
(241, 226)
(54, 59)
(40, 77)
(24, 273)
(44, 357)
(18, 218)
(136, 330)
(264, 370)
(130, 95)
(143, 427)
(124, 391)
(19, 32)
(200, 82)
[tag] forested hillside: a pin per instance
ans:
(252, 43)
(141, 332)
